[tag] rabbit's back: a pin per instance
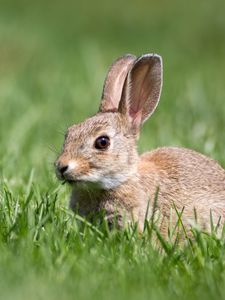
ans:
(186, 178)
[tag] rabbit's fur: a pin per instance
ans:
(116, 179)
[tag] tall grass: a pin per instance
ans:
(53, 59)
(48, 252)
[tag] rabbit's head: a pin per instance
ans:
(102, 149)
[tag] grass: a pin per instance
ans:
(53, 59)
(46, 251)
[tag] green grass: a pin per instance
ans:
(53, 59)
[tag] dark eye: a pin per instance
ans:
(102, 142)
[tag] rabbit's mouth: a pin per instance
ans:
(107, 183)
(70, 181)
(76, 182)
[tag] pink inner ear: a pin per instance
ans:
(144, 89)
(138, 94)
(114, 83)
(117, 87)
(136, 117)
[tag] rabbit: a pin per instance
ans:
(100, 159)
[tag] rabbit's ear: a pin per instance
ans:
(141, 91)
(114, 82)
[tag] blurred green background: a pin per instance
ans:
(53, 59)
(54, 56)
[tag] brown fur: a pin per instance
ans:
(178, 173)
(121, 183)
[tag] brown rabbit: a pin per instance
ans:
(100, 158)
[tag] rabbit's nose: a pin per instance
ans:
(65, 168)
(62, 169)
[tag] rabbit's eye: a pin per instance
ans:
(102, 142)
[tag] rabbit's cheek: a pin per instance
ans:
(82, 168)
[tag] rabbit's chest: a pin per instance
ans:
(89, 200)
(123, 204)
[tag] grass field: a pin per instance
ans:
(53, 59)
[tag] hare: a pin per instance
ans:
(100, 160)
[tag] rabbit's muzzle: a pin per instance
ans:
(63, 170)
(70, 170)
